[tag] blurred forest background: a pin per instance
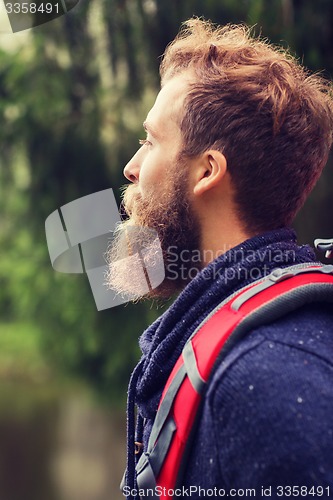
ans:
(73, 95)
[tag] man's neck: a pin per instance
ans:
(217, 239)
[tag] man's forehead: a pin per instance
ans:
(168, 107)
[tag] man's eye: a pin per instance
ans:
(145, 142)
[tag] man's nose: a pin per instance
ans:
(132, 169)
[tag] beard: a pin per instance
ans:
(166, 228)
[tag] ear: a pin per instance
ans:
(210, 171)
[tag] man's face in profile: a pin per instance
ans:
(159, 196)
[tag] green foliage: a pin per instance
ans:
(72, 101)
(20, 357)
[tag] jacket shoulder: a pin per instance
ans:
(271, 401)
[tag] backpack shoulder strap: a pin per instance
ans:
(284, 290)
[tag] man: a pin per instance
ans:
(236, 140)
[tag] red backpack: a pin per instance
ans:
(160, 469)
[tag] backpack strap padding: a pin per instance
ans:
(278, 307)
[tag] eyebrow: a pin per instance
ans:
(148, 128)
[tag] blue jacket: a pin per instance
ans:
(267, 418)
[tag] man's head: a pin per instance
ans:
(253, 102)
(236, 140)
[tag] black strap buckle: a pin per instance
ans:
(325, 246)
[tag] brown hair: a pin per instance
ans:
(256, 104)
